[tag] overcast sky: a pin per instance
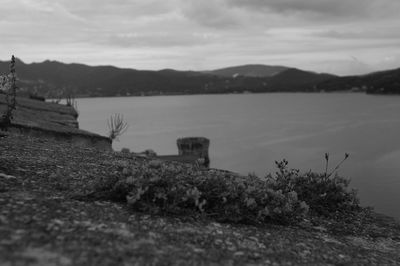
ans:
(336, 36)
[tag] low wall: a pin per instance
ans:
(194, 146)
(53, 121)
(95, 141)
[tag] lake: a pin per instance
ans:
(248, 132)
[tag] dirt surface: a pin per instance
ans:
(45, 219)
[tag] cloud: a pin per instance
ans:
(105, 9)
(215, 14)
(159, 39)
(388, 33)
(345, 67)
(323, 10)
(193, 34)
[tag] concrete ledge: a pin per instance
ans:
(54, 121)
(76, 139)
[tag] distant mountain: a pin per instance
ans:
(52, 79)
(382, 82)
(294, 79)
(248, 71)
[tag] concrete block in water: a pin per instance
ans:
(194, 146)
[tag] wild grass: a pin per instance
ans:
(71, 102)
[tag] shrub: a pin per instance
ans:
(125, 150)
(175, 188)
(325, 194)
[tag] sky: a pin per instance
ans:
(342, 37)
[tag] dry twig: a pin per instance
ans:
(117, 126)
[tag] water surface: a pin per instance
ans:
(249, 132)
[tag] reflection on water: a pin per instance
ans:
(249, 132)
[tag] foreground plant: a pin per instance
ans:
(326, 194)
(71, 102)
(117, 126)
(155, 186)
(346, 155)
(284, 198)
(9, 87)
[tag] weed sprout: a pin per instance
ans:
(8, 84)
(117, 126)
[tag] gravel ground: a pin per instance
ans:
(45, 219)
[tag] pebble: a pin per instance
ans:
(238, 253)
(7, 176)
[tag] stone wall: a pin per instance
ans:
(51, 120)
(82, 140)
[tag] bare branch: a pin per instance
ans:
(117, 126)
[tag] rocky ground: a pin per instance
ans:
(46, 218)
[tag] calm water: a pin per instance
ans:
(249, 132)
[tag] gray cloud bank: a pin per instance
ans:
(321, 35)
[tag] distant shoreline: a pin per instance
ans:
(188, 94)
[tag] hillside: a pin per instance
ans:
(298, 80)
(383, 82)
(52, 79)
(248, 71)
